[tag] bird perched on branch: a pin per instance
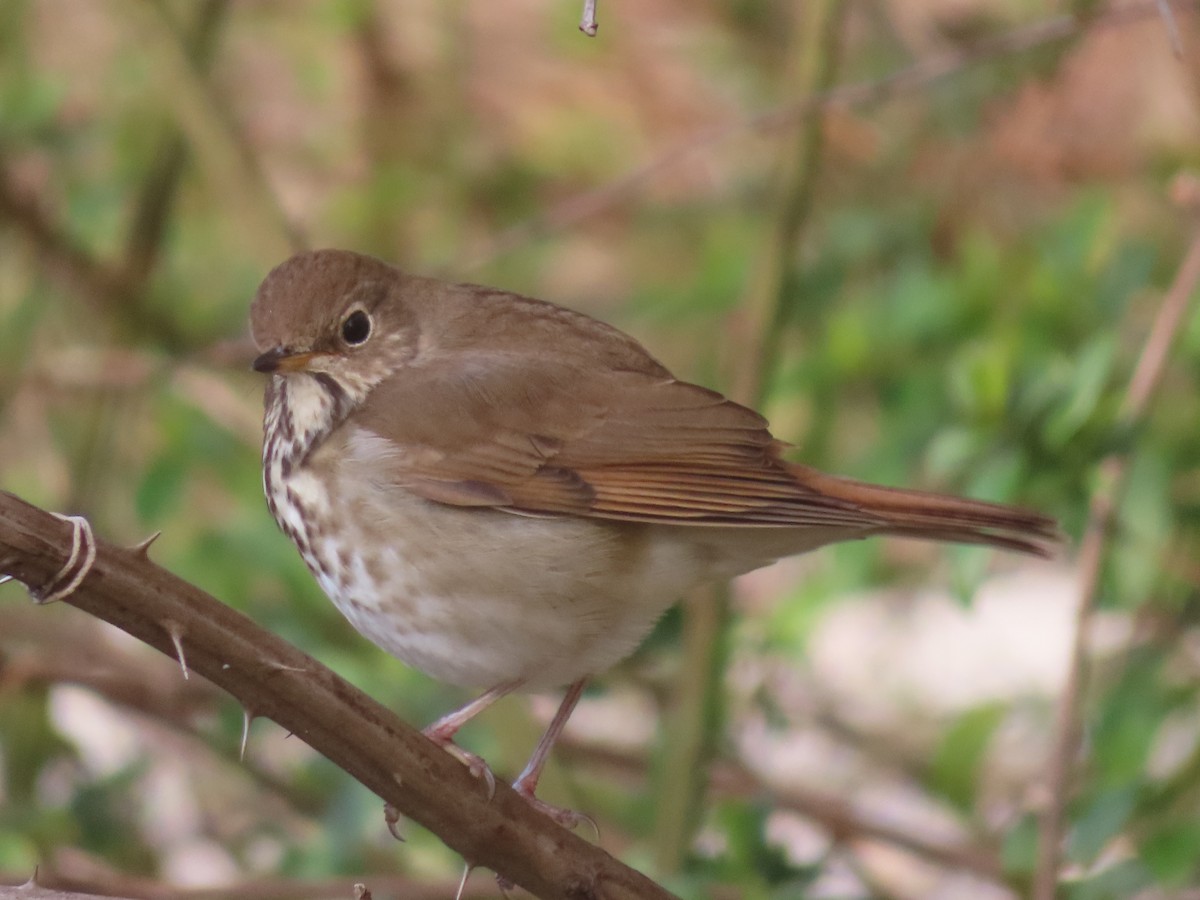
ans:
(506, 494)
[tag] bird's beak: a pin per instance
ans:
(282, 360)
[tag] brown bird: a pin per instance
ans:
(506, 494)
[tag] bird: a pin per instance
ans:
(507, 494)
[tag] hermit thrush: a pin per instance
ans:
(506, 494)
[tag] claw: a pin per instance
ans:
(567, 818)
(474, 762)
(443, 730)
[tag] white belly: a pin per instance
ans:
(476, 597)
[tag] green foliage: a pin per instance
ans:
(958, 763)
(970, 295)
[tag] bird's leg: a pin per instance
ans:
(442, 732)
(527, 782)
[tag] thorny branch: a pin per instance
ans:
(272, 679)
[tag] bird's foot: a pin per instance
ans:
(567, 818)
(474, 762)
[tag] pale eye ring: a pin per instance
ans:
(356, 328)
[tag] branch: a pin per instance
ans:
(221, 149)
(31, 890)
(62, 256)
(587, 22)
(838, 818)
(80, 875)
(1112, 473)
(271, 678)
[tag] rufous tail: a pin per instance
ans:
(939, 517)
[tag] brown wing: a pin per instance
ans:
(543, 435)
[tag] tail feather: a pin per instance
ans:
(939, 517)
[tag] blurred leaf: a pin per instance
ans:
(161, 487)
(955, 768)
(1172, 852)
(1092, 369)
(1124, 731)
(1117, 882)
(30, 743)
(1100, 822)
(1020, 848)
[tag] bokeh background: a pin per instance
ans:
(927, 237)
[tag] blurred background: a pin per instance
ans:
(926, 237)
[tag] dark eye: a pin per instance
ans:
(356, 328)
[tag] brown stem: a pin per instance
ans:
(275, 680)
(1113, 470)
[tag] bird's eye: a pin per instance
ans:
(356, 328)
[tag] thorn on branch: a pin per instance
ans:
(462, 882)
(142, 548)
(588, 24)
(391, 818)
(176, 633)
(247, 718)
(276, 666)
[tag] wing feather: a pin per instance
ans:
(543, 435)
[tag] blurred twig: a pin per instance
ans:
(120, 284)
(273, 679)
(1171, 26)
(170, 703)
(701, 682)
(587, 22)
(33, 890)
(1110, 482)
(61, 254)
(218, 142)
(910, 78)
(839, 818)
(71, 870)
(159, 190)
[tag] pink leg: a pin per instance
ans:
(442, 731)
(527, 782)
